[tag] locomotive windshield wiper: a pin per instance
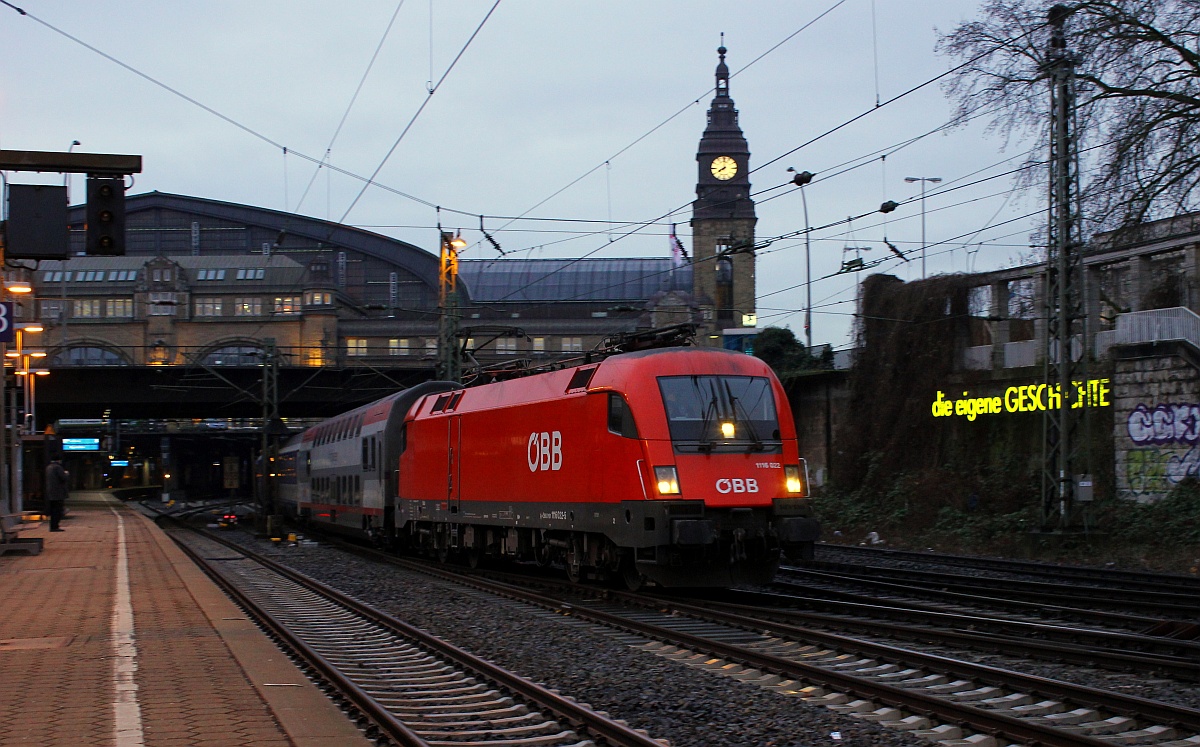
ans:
(745, 419)
(706, 443)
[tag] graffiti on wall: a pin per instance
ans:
(1167, 446)
(1165, 424)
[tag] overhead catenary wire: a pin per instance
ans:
(672, 117)
(429, 97)
(354, 97)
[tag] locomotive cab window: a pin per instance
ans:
(721, 413)
(620, 418)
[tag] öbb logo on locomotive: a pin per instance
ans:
(544, 451)
(728, 485)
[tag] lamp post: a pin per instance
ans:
(67, 176)
(24, 360)
(923, 180)
(449, 363)
(22, 357)
(800, 179)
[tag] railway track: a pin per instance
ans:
(1182, 605)
(1115, 651)
(1109, 577)
(932, 696)
(413, 688)
(942, 597)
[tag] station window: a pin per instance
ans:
(161, 275)
(86, 308)
(161, 303)
(430, 345)
(251, 273)
(398, 346)
(51, 309)
(287, 305)
(572, 344)
(210, 275)
(356, 347)
(208, 307)
(118, 307)
(317, 298)
(539, 345)
(247, 307)
(506, 346)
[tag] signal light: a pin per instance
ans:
(106, 216)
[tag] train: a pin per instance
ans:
(676, 466)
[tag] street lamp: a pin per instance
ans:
(449, 365)
(800, 179)
(23, 358)
(67, 176)
(923, 180)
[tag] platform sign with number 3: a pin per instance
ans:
(7, 325)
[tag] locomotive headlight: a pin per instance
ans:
(726, 429)
(794, 479)
(667, 479)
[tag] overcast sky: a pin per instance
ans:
(550, 95)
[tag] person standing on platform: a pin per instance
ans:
(56, 492)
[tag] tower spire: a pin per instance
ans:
(722, 70)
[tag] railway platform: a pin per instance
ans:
(111, 636)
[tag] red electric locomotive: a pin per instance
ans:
(676, 465)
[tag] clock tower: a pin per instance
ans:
(723, 220)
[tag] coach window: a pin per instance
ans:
(366, 454)
(620, 418)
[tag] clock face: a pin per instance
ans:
(724, 167)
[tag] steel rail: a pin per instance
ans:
(976, 719)
(1176, 602)
(574, 714)
(1019, 638)
(1142, 579)
(1127, 705)
(372, 709)
(1185, 653)
(1094, 616)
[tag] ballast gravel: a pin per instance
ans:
(672, 701)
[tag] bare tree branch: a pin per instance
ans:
(1138, 83)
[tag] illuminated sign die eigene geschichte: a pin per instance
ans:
(1025, 398)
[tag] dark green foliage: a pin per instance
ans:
(1173, 520)
(906, 352)
(780, 349)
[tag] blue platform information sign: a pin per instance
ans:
(81, 444)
